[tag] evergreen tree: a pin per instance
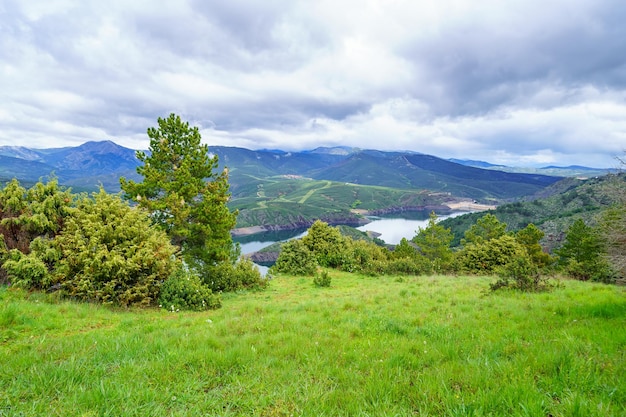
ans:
(582, 253)
(326, 243)
(485, 229)
(529, 238)
(434, 240)
(184, 194)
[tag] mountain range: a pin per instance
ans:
(86, 166)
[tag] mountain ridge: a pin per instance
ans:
(101, 162)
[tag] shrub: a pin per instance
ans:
(597, 269)
(326, 243)
(522, 274)
(183, 290)
(322, 279)
(28, 215)
(583, 254)
(228, 277)
(361, 254)
(409, 266)
(375, 268)
(26, 271)
(112, 254)
(488, 255)
(295, 258)
(404, 250)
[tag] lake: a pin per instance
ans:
(391, 230)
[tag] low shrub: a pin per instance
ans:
(409, 266)
(295, 258)
(183, 290)
(522, 274)
(485, 257)
(228, 277)
(26, 271)
(322, 279)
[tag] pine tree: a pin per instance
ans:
(184, 194)
(434, 240)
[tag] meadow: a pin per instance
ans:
(386, 346)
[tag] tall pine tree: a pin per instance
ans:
(184, 194)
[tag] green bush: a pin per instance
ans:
(228, 277)
(409, 266)
(583, 254)
(26, 271)
(520, 273)
(322, 279)
(295, 258)
(25, 216)
(327, 244)
(183, 290)
(112, 254)
(404, 250)
(488, 255)
(598, 269)
(360, 255)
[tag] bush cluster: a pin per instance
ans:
(488, 249)
(98, 248)
(324, 246)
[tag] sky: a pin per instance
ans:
(515, 82)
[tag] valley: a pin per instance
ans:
(275, 190)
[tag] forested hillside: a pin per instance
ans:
(553, 210)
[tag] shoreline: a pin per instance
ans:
(463, 206)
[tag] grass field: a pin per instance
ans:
(389, 346)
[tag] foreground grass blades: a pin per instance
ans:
(427, 346)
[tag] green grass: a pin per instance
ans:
(427, 346)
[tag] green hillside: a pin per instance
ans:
(287, 200)
(416, 171)
(553, 210)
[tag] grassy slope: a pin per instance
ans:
(426, 346)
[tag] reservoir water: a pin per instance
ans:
(391, 230)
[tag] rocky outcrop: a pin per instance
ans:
(264, 258)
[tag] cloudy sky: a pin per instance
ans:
(519, 82)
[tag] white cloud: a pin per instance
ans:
(519, 81)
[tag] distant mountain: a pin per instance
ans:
(20, 152)
(559, 171)
(84, 167)
(474, 163)
(26, 170)
(337, 150)
(93, 163)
